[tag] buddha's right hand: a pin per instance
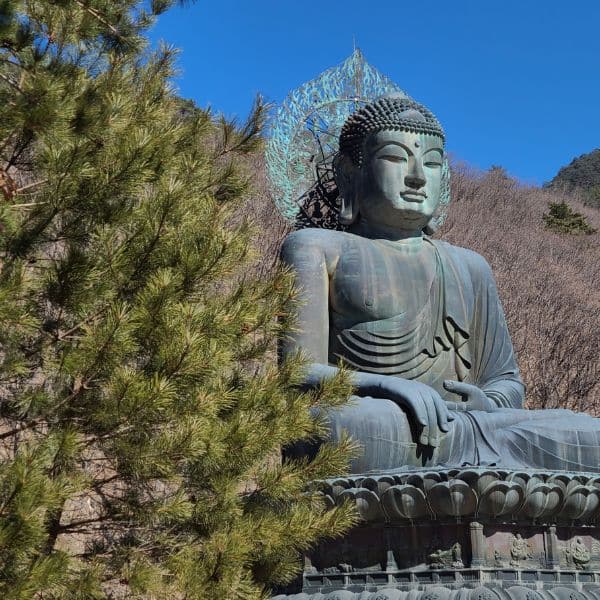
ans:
(423, 405)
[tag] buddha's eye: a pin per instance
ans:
(432, 159)
(393, 158)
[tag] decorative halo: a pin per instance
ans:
(304, 140)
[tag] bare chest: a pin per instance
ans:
(375, 280)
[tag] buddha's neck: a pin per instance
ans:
(408, 237)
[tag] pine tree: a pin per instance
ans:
(142, 412)
(561, 218)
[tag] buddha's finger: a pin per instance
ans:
(464, 390)
(434, 436)
(432, 419)
(455, 406)
(415, 405)
(424, 438)
(442, 414)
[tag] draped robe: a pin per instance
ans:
(459, 333)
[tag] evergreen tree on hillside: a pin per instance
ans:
(141, 418)
(561, 218)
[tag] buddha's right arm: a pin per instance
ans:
(364, 384)
(312, 258)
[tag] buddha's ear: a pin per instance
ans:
(347, 176)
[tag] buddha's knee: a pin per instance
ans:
(368, 417)
(381, 427)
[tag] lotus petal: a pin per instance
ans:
(594, 482)
(519, 477)
(367, 503)
(519, 592)
(416, 480)
(369, 483)
(431, 479)
(329, 501)
(501, 498)
(581, 502)
(479, 480)
(404, 502)
(339, 485)
(384, 482)
(542, 500)
(453, 498)
(484, 593)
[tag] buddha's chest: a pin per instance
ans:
(373, 281)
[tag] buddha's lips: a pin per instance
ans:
(413, 196)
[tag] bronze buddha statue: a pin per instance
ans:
(418, 320)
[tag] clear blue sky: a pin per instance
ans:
(514, 83)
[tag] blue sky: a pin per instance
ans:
(514, 83)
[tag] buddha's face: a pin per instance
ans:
(400, 179)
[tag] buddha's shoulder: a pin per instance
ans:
(468, 259)
(317, 241)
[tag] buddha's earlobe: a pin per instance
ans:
(348, 209)
(346, 177)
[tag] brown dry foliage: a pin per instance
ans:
(548, 283)
(270, 227)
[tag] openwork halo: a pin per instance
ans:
(304, 140)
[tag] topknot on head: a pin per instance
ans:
(392, 112)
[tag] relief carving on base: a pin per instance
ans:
(520, 550)
(452, 557)
(577, 554)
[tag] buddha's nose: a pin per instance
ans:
(415, 178)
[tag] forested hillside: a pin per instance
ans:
(581, 173)
(548, 282)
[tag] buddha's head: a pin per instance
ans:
(389, 166)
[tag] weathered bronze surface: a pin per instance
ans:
(471, 493)
(418, 320)
(456, 561)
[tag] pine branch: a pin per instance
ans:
(27, 204)
(98, 16)
(53, 529)
(28, 187)
(76, 526)
(25, 426)
(14, 85)
(90, 318)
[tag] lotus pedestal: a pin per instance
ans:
(471, 534)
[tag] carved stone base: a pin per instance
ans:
(475, 534)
